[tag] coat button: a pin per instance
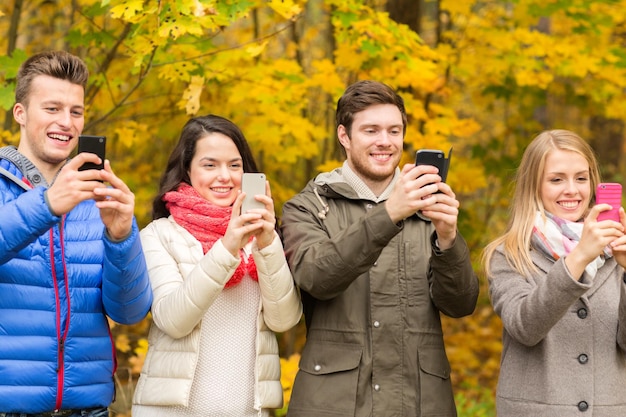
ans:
(582, 313)
(376, 387)
(583, 406)
(583, 359)
(317, 368)
(376, 323)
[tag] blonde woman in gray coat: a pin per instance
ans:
(556, 279)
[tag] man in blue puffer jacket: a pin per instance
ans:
(69, 253)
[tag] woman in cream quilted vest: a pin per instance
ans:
(221, 284)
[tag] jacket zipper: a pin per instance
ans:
(60, 336)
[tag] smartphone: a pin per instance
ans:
(252, 183)
(609, 193)
(92, 144)
(436, 158)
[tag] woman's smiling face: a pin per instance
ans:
(566, 185)
(216, 169)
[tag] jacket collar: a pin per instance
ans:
(544, 264)
(24, 165)
(345, 183)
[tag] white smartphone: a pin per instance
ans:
(252, 183)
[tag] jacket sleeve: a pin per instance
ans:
(453, 283)
(181, 301)
(23, 220)
(126, 292)
(325, 266)
(621, 328)
(282, 308)
(529, 308)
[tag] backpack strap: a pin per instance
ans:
(14, 179)
(9, 153)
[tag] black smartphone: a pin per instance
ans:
(92, 144)
(435, 158)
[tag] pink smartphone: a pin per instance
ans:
(609, 193)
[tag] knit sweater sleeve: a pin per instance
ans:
(282, 308)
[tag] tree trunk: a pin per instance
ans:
(607, 140)
(408, 12)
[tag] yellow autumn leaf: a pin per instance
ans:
(128, 132)
(286, 8)
(128, 10)
(256, 49)
(456, 7)
(142, 347)
(122, 343)
(288, 371)
(191, 96)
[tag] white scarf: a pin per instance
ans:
(556, 237)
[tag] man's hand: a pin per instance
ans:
(444, 213)
(72, 186)
(116, 204)
(416, 190)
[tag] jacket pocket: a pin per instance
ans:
(435, 387)
(327, 380)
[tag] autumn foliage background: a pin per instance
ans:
(481, 76)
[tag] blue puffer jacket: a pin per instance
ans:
(59, 278)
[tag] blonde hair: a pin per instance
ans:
(527, 196)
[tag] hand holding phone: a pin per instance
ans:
(252, 183)
(92, 144)
(609, 193)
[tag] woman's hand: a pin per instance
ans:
(596, 235)
(241, 227)
(618, 246)
(260, 223)
(265, 235)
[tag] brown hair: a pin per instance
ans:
(363, 94)
(57, 64)
(177, 169)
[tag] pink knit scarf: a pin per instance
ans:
(207, 223)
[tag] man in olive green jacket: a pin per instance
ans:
(374, 273)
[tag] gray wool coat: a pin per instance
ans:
(564, 341)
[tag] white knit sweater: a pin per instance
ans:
(210, 347)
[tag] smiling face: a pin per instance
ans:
(216, 169)
(374, 146)
(50, 122)
(566, 185)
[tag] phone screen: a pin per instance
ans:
(92, 144)
(252, 183)
(435, 158)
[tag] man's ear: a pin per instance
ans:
(342, 135)
(19, 113)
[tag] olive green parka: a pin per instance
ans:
(372, 292)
